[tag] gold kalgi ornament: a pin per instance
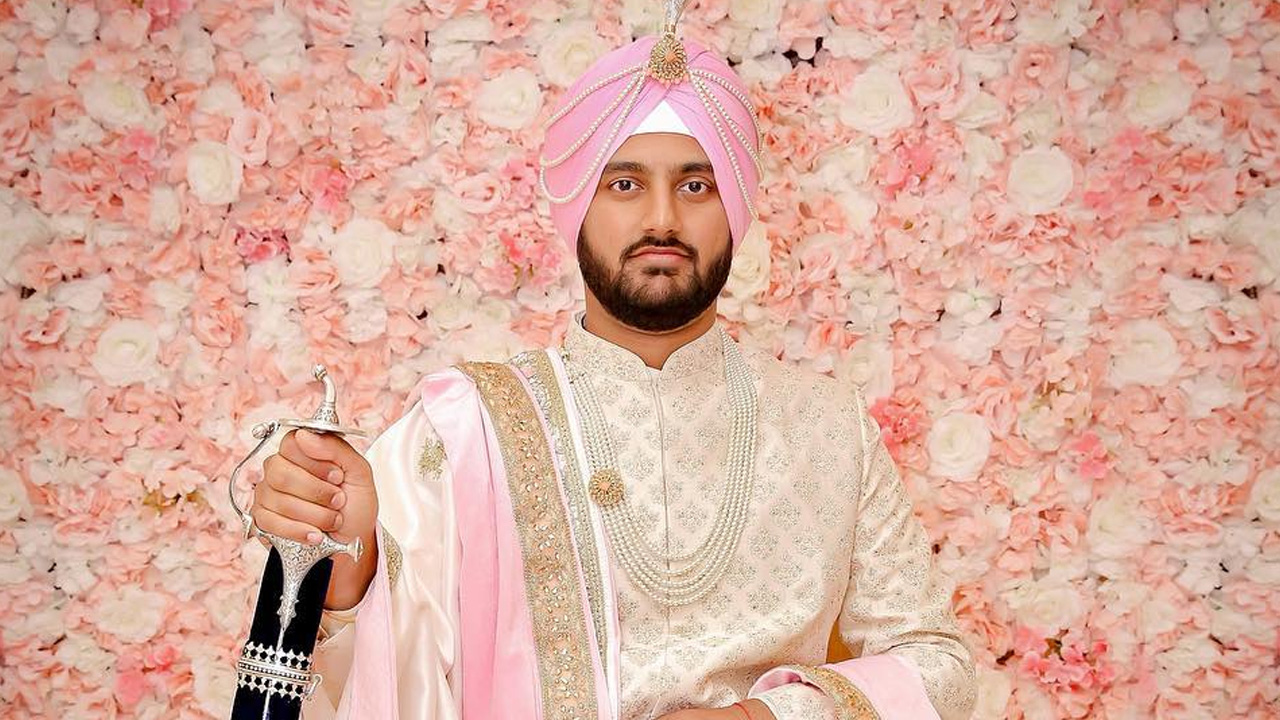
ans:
(667, 60)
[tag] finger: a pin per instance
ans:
(285, 478)
(294, 453)
(332, 448)
(293, 508)
(276, 524)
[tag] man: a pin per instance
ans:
(650, 521)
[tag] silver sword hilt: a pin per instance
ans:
(297, 558)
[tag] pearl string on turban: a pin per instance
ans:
(655, 84)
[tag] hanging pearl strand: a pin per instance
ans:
(697, 572)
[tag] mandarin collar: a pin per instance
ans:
(598, 356)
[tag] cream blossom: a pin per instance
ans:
(749, 273)
(131, 614)
(1049, 604)
(1117, 525)
(994, 691)
(1143, 352)
(63, 391)
(214, 173)
(115, 102)
(214, 685)
(362, 251)
(1040, 179)
(959, 444)
(1189, 653)
(756, 14)
(971, 344)
(82, 652)
(1264, 498)
(278, 45)
(510, 100)
(14, 502)
(45, 17)
(869, 364)
(366, 317)
(165, 210)
(1209, 391)
(1158, 100)
(877, 103)
(126, 353)
(568, 50)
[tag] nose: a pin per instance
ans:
(662, 216)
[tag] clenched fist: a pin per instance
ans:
(319, 483)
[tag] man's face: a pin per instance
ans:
(655, 246)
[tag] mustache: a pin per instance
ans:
(649, 241)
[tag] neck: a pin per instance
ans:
(652, 347)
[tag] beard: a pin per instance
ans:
(631, 299)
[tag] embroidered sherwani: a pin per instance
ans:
(546, 624)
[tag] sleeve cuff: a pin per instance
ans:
(333, 622)
(850, 703)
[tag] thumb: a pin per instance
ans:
(332, 448)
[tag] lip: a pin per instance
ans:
(668, 252)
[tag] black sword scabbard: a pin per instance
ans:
(273, 680)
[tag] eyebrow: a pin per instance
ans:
(631, 166)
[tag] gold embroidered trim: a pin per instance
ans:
(431, 461)
(537, 369)
(851, 704)
(550, 574)
(395, 558)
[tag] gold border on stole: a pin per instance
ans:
(552, 590)
(850, 703)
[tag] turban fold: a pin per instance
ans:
(624, 92)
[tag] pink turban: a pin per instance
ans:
(608, 103)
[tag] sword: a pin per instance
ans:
(274, 673)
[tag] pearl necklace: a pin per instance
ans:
(673, 579)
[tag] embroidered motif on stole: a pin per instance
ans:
(537, 369)
(550, 574)
(850, 703)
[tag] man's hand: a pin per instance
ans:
(319, 483)
(756, 710)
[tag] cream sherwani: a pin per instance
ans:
(830, 539)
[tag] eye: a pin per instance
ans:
(698, 186)
(622, 184)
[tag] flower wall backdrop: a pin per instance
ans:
(1044, 234)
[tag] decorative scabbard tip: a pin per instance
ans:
(319, 371)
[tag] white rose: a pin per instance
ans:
(452, 312)
(877, 103)
(1190, 653)
(447, 213)
(971, 344)
(756, 14)
(82, 652)
(115, 103)
(64, 391)
(14, 502)
(472, 27)
(165, 210)
(994, 691)
(1039, 123)
(82, 23)
(84, 295)
(366, 317)
(1190, 295)
(362, 252)
(214, 684)
(126, 353)
(1207, 392)
(844, 165)
(132, 614)
(1158, 100)
(277, 48)
(1264, 498)
(170, 295)
(1118, 526)
(214, 173)
(1040, 179)
(868, 363)
(1049, 604)
(568, 50)
(453, 59)
(983, 109)
(959, 444)
(511, 100)
(767, 70)
(1042, 427)
(46, 17)
(1143, 353)
(847, 42)
(749, 273)
(268, 283)
(973, 306)
(449, 129)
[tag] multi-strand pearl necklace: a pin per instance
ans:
(673, 579)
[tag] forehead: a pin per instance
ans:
(660, 149)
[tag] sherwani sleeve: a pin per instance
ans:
(896, 618)
(395, 651)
